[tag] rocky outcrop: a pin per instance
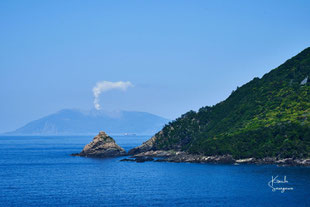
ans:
(102, 146)
(146, 146)
(246, 161)
(179, 156)
(158, 153)
(183, 157)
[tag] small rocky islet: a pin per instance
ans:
(102, 146)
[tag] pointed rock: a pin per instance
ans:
(102, 146)
(304, 82)
(146, 146)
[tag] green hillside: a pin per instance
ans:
(265, 117)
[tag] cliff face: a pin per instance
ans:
(267, 117)
(102, 146)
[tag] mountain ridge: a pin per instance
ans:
(83, 122)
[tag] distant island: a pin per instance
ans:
(78, 122)
(266, 120)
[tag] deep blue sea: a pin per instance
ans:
(38, 171)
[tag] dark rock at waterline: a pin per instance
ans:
(127, 160)
(138, 159)
(144, 159)
(102, 146)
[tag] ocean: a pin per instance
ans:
(39, 171)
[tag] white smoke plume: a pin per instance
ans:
(104, 86)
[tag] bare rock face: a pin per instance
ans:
(102, 146)
(146, 146)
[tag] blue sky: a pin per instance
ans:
(179, 55)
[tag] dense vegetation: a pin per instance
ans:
(265, 117)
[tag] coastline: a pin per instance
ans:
(180, 156)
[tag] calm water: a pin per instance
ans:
(38, 171)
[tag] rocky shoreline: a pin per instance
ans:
(179, 156)
(104, 146)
